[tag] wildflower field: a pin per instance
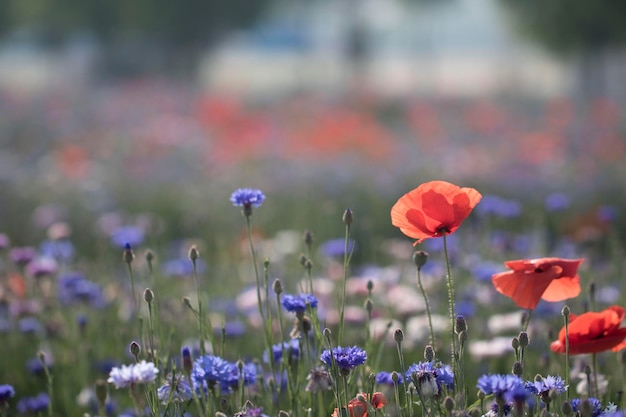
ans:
(364, 260)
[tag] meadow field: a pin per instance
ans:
(172, 253)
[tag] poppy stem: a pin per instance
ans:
(565, 313)
(594, 363)
(453, 354)
(427, 305)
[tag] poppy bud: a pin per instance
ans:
(370, 285)
(135, 349)
(523, 339)
(277, 286)
(148, 295)
(419, 258)
(460, 324)
(395, 377)
(266, 263)
(369, 305)
(565, 311)
(515, 343)
(429, 353)
(518, 369)
(194, 254)
(308, 237)
(149, 257)
(398, 336)
(347, 217)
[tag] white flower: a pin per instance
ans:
(138, 373)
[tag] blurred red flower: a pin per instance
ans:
(433, 208)
(551, 279)
(358, 408)
(593, 332)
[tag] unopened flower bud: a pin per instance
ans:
(187, 361)
(565, 311)
(101, 392)
(266, 263)
(128, 255)
(149, 256)
(463, 338)
(515, 343)
(135, 348)
(347, 217)
(395, 377)
(370, 285)
(523, 339)
(586, 408)
(448, 404)
(283, 413)
(148, 295)
(398, 336)
(277, 286)
(460, 324)
(566, 408)
(369, 306)
(193, 253)
(308, 237)
(429, 353)
(518, 369)
(419, 258)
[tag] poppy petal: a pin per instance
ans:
(562, 288)
(523, 288)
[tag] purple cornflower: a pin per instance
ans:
(6, 392)
(291, 348)
(346, 358)
(5, 242)
(22, 255)
(73, 287)
(501, 386)
(137, 373)
(549, 383)
(34, 405)
(499, 207)
(430, 377)
(248, 374)
(384, 378)
(29, 325)
(127, 235)
(247, 197)
(596, 407)
(557, 202)
(251, 412)
(297, 303)
(209, 370)
(175, 389)
(59, 249)
(41, 267)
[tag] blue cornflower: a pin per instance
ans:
(499, 207)
(430, 377)
(73, 287)
(297, 303)
(138, 373)
(251, 412)
(29, 325)
(503, 386)
(291, 348)
(209, 370)
(247, 197)
(6, 392)
(34, 405)
(127, 235)
(384, 378)
(248, 373)
(174, 389)
(596, 407)
(549, 383)
(346, 358)
(557, 202)
(59, 249)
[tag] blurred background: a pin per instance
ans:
(154, 109)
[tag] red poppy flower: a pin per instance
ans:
(551, 279)
(593, 332)
(433, 208)
(358, 408)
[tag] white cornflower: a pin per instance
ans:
(138, 373)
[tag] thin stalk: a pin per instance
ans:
(427, 304)
(594, 362)
(346, 262)
(567, 370)
(450, 307)
(200, 321)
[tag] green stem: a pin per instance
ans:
(346, 262)
(427, 304)
(200, 321)
(567, 370)
(450, 307)
(594, 362)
